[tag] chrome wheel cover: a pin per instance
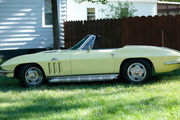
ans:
(33, 76)
(136, 72)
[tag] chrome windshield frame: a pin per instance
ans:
(91, 37)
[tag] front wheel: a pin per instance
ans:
(136, 71)
(31, 76)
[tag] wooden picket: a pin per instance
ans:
(115, 33)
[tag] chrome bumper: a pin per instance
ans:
(4, 73)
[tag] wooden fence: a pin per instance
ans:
(156, 31)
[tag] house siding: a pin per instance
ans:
(21, 25)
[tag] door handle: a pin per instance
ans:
(54, 59)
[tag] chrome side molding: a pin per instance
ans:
(173, 62)
(83, 78)
(3, 73)
(177, 61)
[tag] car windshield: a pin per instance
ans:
(89, 44)
(76, 46)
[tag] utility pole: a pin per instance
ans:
(55, 25)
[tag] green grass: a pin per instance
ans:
(156, 100)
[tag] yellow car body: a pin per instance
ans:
(92, 62)
(72, 62)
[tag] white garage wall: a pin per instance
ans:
(78, 11)
(145, 9)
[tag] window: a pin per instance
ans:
(90, 13)
(47, 12)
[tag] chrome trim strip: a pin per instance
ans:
(3, 72)
(173, 62)
(83, 78)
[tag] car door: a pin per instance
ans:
(93, 61)
(59, 63)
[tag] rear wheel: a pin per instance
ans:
(31, 76)
(136, 71)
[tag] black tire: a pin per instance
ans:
(31, 76)
(136, 71)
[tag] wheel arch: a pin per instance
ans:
(145, 59)
(16, 73)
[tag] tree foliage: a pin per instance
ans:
(125, 9)
(93, 1)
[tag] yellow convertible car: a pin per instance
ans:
(83, 62)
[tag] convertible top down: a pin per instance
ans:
(85, 62)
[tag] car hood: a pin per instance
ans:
(32, 58)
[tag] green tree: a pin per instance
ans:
(125, 9)
(93, 1)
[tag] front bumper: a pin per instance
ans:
(5, 73)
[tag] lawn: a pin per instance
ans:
(156, 100)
